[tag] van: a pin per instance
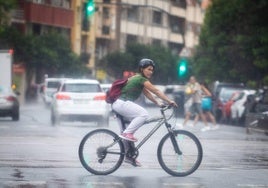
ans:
(50, 87)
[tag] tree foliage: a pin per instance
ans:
(5, 8)
(50, 52)
(117, 62)
(233, 42)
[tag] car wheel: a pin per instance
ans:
(218, 115)
(16, 115)
(54, 119)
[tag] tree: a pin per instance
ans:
(5, 8)
(50, 53)
(233, 41)
(117, 62)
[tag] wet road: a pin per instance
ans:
(35, 154)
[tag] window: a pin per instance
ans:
(157, 17)
(176, 24)
(106, 12)
(175, 47)
(156, 42)
(179, 3)
(106, 1)
(105, 30)
(36, 29)
(131, 39)
(132, 14)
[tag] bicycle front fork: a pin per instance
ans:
(172, 136)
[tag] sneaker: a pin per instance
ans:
(190, 125)
(128, 136)
(132, 161)
(206, 128)
(215, 127)
(179, 126)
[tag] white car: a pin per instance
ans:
(80, 100)
(106, 87)
(238, 107)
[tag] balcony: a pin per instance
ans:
(48, 15)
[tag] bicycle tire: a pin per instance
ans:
(93, 155)
(184, 164)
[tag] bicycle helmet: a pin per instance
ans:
(145, 63)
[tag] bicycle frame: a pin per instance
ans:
(161, 120)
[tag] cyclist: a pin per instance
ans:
(125, 105)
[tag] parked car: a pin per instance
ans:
(9, 103)
(50, 86)
(239, 106)
(220, 101)
(82, 100)
(257, 112)
(217, 86)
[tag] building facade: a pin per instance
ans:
(115, 23)
(171, 23)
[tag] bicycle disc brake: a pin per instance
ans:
(101, 153)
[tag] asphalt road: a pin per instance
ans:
(35, 154)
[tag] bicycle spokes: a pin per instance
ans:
(180, 153)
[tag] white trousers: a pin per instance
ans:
(133, 112)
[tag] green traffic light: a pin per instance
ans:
(182, 68)
(90, 7)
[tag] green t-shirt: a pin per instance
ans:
(133, 89)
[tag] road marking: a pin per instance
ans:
(184, 185)
(39, 184)
(253, 185)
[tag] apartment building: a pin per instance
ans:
(115, 23)
(172, 23)
(42, 16)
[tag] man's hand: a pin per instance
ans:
(173, 103)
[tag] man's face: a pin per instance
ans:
(192, 80)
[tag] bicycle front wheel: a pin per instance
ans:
(180, 153)
(101, 152)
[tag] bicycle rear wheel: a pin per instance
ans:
(187, 161)
(101, 152)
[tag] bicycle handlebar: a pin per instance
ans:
(165, 107)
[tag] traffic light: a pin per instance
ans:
(88, 11)
(89, 8)
(182, 67)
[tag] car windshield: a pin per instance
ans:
(241, 95)
(53, 84)
(81, 87)
(225, 93)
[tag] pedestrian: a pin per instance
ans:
(207, 105)
(195, 109)
(125, 105)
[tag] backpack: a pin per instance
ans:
(115, 91)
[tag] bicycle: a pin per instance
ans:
(179, 152)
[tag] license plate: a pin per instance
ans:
(81, 101)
